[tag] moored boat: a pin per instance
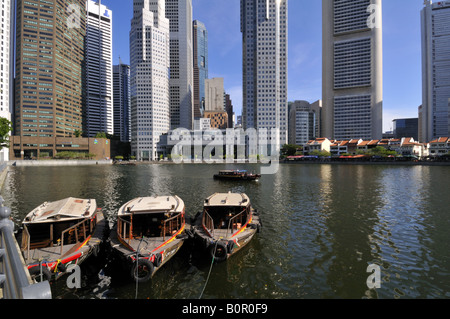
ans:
(59, 234)
(237, 175)
(149, 231)
(227, 224)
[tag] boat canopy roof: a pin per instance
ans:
(62, 210)
(227, 199)
(149, 205)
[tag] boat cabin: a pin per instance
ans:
(225, 214)
(61, 224)
(151, 217)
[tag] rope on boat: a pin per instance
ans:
(210, 269)
(137, 267)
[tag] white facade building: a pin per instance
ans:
(6, 64)
(179, 13)
(352, 69)
(435, 115)
(99, 112)
(264, 27)
(149, 72)
(214, 95)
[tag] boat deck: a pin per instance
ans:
(55, 253)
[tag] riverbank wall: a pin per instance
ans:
(27, 163)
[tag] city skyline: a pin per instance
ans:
(402, 71)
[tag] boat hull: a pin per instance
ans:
(153, 260)
(49, 264)
(221, 248)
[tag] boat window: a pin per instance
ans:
(156, 225)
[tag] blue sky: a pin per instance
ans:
(402, 74)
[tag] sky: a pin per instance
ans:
(402, 67)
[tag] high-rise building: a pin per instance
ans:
(229, 110)
(214, 95)
(304, 122)
(352, 69)
(50, 39)
(200, 43)
(6, 64)
(435, 119)
(122, 101)
(406, 128)
(264, 27)
(179, 13)
(98, 112)
(149, 78)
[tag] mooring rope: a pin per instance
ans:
(210, 269)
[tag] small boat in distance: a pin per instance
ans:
(237, 175)
(149, 231)
(59, 234)
(228, 223)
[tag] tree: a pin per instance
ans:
(290, 150)
(5, 128)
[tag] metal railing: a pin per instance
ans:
(15, 280)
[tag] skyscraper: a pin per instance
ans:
(49, 70)
(98, 113)
(352, 69)
(264, 27)
(149, 78)
(122, 101)
(6, 64)
(179, 13)
(200, 43)
(435, 119)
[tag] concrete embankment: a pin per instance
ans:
(60, 163)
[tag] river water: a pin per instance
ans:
(323, 225)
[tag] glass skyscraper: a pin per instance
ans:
(200, 43)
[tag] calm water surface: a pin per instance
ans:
(322, 226)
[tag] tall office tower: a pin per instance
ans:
(200, 43)
(179, 13)
(304, 122)
(214, 95)
(264, 27)
(122, 101)
(98, 113)
(229, 110)
(435, 120)
(149, 78)
(50, 39)
(6, 64)
(352, 69)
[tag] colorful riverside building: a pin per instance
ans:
(49, 88)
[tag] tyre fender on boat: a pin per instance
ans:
(158, 260)
(35, 273)
(146, 274)
(218, 251)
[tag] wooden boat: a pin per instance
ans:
(237, 175)
(148, 233)
(228, 223)
(59, 234)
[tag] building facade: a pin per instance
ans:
(406, 128)
(200, 44)
(179, 13)
(99, 111)
(49, 71)
(352, 69)
(214, 95)
(264, 27)
(6, 64)
(122, 101)
(435, 113)
(304, 122)
(149, 78)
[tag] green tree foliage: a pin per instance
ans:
(5, 128)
